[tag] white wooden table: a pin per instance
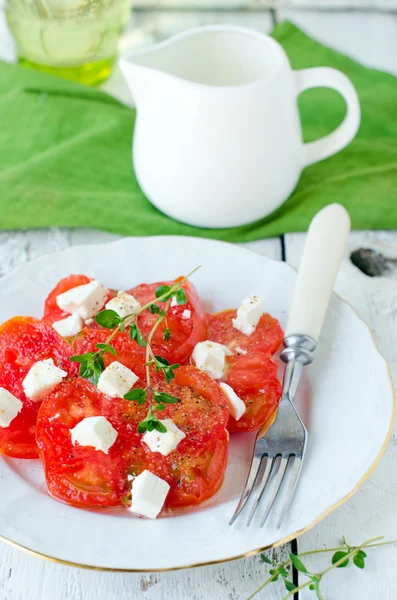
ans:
(370, 37)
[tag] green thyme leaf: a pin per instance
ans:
(275, 573)
(162, 362)
(180, 296)
(265, 559)
(107, 348)
(138, 394)
(136, 335)
(142, 427)
(165, 398)
(154, 309)
(298, 564)
(161, 290)
(359, 560)
(160, 427)
(289, 585)
(167, 334)
(80, 358)
(108, 319)
(338, 556)
(159, 407)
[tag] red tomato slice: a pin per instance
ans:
(251, 371)
(186, 330)
(128, 352)
(23, 342)
(52, 312)
(82, 476)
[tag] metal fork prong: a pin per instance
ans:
(276, 484)
(253, 472)
(294, 476)
(264, 477)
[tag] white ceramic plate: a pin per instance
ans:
(347, 402)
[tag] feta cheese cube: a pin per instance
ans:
(174, 302)
(210, 357)
(186, 314)
(248, 315)
(42, 378)
(124, 304)
(96, 432)
(70, 326)
(86, 300)
(148, 494)
(236, 406)
(166, 442)
(116, 380)
(9, 407)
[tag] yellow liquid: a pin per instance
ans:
(89, 74)
(74, 39)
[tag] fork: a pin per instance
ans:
(280, 449)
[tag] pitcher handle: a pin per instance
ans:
(343, 135)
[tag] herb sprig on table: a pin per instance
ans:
(92, 363)
(342, 557)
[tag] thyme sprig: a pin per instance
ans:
(92, 363)
(341, 558)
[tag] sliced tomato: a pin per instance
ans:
(23, 342)
(187, 322)
(82, 476)
(128, 352)
(250, 371)
(195, 469)
(52, 312)
(267, 336)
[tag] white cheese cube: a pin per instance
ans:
(186, 314)
(42, 378)
(70, 326)
(174, 302)
(248, 315)
(9, 407)
(210, 357)
(236, 406)
(116, 380)
(148, 494)
(166, 442)
(96, 432)
(86, 300)
(124, 304)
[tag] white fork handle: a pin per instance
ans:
(322, 255)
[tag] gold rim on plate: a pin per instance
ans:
(251, 552)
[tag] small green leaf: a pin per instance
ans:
(298, 564)
(136, 394)
(165, 398)
(361, 553)
(160, 427)
(167, 334)
(154, 309)
(289, 585)
(159, 407)
(142, 427)
(180, 296)
(275, 574)
(136, 335)
(161, 290)
(122, 327)
(312, 586)
(108, 319)
(107, 348)
(338, 556)
(359, 560)
(82, 357)
(86, 370)
(265, 559)
(163, 362)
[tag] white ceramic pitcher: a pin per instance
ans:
(218, 139)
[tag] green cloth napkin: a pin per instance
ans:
(65, 155)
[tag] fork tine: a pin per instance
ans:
(278, 479)
(253, 472)
(296, 469)
(263, 478)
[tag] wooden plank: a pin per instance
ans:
(372, 511)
